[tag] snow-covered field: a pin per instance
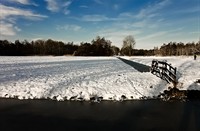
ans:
(82, 78)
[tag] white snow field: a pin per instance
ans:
(81, 78)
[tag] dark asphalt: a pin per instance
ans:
(135, 65)
(151, 115)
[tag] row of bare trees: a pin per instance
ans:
(177, 49)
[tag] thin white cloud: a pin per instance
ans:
(190, 10)
(143, 24)
(160, 34)
(24, 2)
(38, 38)
(8, 29)
(52, 5)
(146, 24)
(118, 33)
(98, 2)
(11, 20)
(69, 27)
(9, 15)
(126, 15)
(94, 18)
(144, 20)
(66, 11)
(17, 28)
(151, 10)
(7, 12)
(58, 5)
(154, 35)
(66, 4)
(139, 24)
(148, 12)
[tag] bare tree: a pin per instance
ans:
(128, 45)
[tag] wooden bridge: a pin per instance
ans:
(165, 71)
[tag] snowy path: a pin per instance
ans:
(75, 78)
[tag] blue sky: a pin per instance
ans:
(151, 22)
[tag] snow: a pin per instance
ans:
(81, 78)
(188, 70)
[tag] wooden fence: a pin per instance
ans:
(165, 71)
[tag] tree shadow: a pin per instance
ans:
(135, 65)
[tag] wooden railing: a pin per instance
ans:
(165, 71)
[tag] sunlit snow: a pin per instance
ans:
(81, 78)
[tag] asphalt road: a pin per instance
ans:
(151, 115)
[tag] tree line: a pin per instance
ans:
(177, 49)
(98, 47)
(170, 49)
(38, 47)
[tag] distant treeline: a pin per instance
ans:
(176, 49)
(98, 47)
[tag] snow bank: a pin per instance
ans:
(83, 78)
(188, 69)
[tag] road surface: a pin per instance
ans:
(151, 115)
